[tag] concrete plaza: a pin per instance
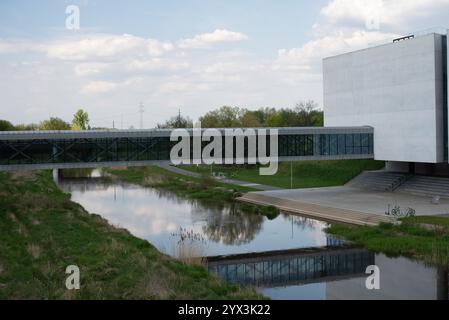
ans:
(366, 201)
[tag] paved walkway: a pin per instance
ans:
(375, 202)
(256, 186)
(315, 211)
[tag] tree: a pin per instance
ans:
(5, 125)
(224, 117)
(54, 124)
(249, 120)
(308, 115)
(263, 114)
(27, 127)
(304, 114)
(283, 118)
(80, 120)
(176, 122)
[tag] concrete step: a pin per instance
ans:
(424, 190)
(427, 192)
(426, 186)
(377, 181)
(429, 184)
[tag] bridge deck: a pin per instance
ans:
(315, 211)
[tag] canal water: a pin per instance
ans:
(289, 257)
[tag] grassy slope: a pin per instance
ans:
(306, 174)
(42, 232)
(423, 238)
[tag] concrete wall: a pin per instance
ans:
(396, 166)
(398, 89)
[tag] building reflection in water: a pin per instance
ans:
(292, 267)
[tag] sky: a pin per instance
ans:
(191, 56)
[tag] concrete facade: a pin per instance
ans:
(397, 88)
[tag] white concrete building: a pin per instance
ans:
(401, 90)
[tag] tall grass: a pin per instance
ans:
(190, 247)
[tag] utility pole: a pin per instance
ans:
(141, 110)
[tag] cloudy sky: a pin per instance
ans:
(188, 55)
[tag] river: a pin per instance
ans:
(290, 257)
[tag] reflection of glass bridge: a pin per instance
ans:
(292, 267)
(95, 148)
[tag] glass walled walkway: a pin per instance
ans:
(28, 150)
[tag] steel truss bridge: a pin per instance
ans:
(292, 267)
(29, 150)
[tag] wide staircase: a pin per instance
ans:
(426, 186)
(378, 181)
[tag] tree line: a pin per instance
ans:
(80, 122)
(304, 114)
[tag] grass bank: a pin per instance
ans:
(424, 238)
(204, 188)
(42, 232)
(306, 174)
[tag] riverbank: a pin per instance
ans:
(306, 174)
(424, 238)
(42, 232)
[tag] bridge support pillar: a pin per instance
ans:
(56, 175)
(316, 145)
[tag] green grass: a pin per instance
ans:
(306, 174)
(42, 232)
(204, 188)
(423, 238)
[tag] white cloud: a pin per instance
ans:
(352, 11)
(207, 39)
(96, 87)
(16, 46)
(90, 47)
(156, 64)
(87, 69)
(183, 85)
(94, 47)
(232, 67)
(339, 42)
(387, 12)
(157, 48)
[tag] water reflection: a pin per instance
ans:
(155, 214)
(230, 226)
(292, 267)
